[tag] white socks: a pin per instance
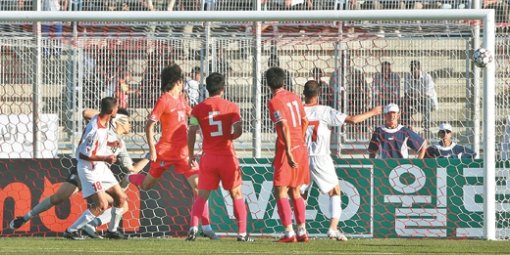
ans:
(335, 207)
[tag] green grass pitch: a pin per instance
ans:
(155, 246)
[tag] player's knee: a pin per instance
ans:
(236, 194)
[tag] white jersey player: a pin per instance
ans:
(321, 119)
(95, 176)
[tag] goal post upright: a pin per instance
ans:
(486, 16)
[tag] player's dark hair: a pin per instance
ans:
(108, 104)
(170, 75)
(123, 111)
(215, 83)
(312, 89)
(275, 77)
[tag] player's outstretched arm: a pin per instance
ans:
(364, 116)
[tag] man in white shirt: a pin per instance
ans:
(420, 96)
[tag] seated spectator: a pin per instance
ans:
(446, 148)
(392, 140)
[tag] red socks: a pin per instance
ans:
(197, 210)
(299, 210)
(284, 211)
(240, 213)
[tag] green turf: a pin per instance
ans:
(261, 246)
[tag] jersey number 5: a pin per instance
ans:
(217, 123)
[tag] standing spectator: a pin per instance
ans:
(291, 159)
(220, 122)
(446, 148)
(195, 91)
(326, 97)
(420, 95)
(123, 89)
(393, 140)
(54, 29)
(386, 86)
(358, 93)
(318, 135)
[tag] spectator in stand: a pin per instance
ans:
(326, 95)
(386, 86)
(358, 93)
(149, 86)
(446, 148)
(288, 4)
(123, 89)
(392, 140)
(195, 91)
(419, 96)
(53, 29)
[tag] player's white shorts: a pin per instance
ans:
(100, 178)
(323, 172)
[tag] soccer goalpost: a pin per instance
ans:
(62, 82)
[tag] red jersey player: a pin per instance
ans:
(291, 159)
(172, 111)
(220, 121)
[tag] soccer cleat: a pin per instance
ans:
(287, 239)
(115, 235)
(337, 235)
(91, 232)
(17, 223)
(192, 235)
(245, 238)
(75, 235)
(210, 234)
(303, 238)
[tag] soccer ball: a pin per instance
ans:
(482, 57)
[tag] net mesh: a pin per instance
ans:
(393, 198)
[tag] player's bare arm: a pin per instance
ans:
(149, 133)
(286, 139)
(355, 119)
(304, 125)
(237, 130)
(192, 136)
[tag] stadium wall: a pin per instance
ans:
(383, 199)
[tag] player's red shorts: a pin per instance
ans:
(215, 168)
(286, 176)
(168, 156)
(181, 166)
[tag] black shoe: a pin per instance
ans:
(115, 235)
(245, 238)
(91, 232)
(17, 223)
(192, 235)
(75, 235)
(210, 234)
